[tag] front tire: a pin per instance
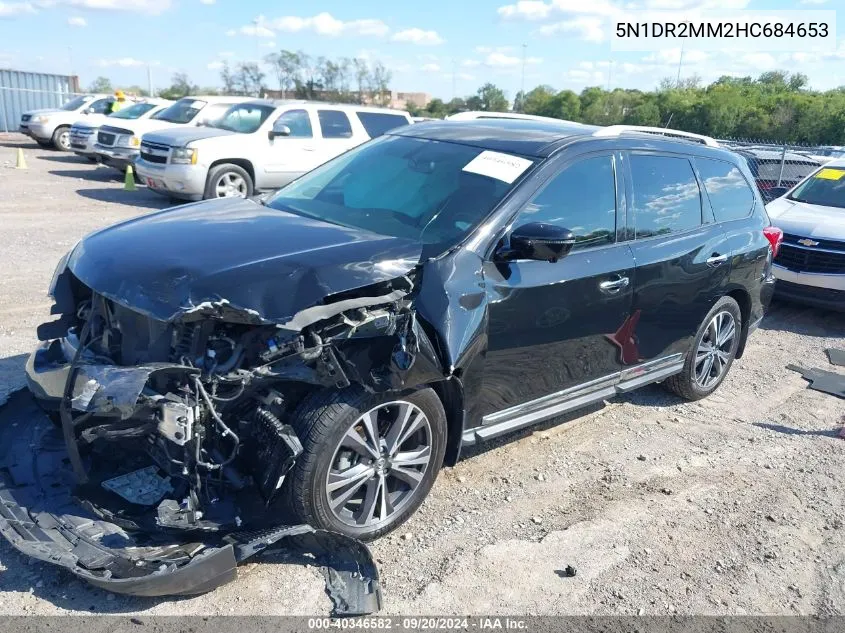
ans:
(368, 460)
(712, 354)
(228, 181)
(61, 138)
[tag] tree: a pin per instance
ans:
(250, 79)
(180, 86)
(381, 77)
(100, 84)
(286, 65)
(492, 98)
(361, 69)
(228, 79)
(135, 91)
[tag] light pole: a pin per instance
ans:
(522, 84)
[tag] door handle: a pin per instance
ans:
(717, 260)
(615, 285)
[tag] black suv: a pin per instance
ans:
(233, 366)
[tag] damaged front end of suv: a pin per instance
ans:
(166, 462)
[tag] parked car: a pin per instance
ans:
(256, 145)
(50, 127)
(473, 115)
(313, 359)
(119, 145)
(810, 266)
(775, 172)
(83, 134)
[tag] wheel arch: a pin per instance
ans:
(243, 163)
(741, 296)
(451, 394)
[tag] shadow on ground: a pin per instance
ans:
(66, 158)
(802, 319)
(94, 174)
(141, 197)
(18, 141)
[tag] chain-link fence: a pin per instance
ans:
(777, 167)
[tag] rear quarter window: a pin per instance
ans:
(666, 195)
(377, 123)
(334, 124)
(729, 193)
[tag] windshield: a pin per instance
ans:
(431, 191)
(826, 188)
(244, 118)
(75, 104)
(183, 111)
(133, 112)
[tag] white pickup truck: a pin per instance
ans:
(83, 133)
(118, 145)
(50, 127)
(257, 145)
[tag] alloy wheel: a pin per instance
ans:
(64, 141)
(379, 464)
(715, 349)
(230, 185)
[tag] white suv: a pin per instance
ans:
(257, 145)
(83, 133)
(50, 127)
(117, 145)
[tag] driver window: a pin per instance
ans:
(582, 198)
(298, 121)
(100, 106)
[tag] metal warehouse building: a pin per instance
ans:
(21, 91)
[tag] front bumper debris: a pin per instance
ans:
(44, 515)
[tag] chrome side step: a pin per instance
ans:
(553, 405)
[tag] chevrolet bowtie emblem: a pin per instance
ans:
(808, 242)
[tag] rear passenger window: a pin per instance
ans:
(729, 193)
(377, 123)
(582, 198)
(298, 122)
(666, 195)
(334, 123)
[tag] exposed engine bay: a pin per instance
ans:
(182, 426)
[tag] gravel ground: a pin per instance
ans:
(727, 506)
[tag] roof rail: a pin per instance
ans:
(616, 130)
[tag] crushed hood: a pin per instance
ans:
(182, 135)
(809, 220)
(268, 263)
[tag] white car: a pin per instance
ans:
(83, 133)
(257, 145)
(118, 145)
(50, 127)
(810, 265)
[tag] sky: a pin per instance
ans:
(444, 47)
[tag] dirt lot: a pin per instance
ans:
(734, 505)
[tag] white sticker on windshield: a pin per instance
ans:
(497, 165)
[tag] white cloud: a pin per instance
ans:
(470, 63)
(208, 1)
(463, 76)
(124, 62)
(814, 1)
(528, 9)
(12, 9)
(77, 21)
(417, 36)
(671, 56)
(270, 44)
(150, 7)
(588, 28)
(430, 68)
(321, 24)
(215, 65)
(759, 60)
(500, 60)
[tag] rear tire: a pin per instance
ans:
(334, 428)
(712, 353)
(228, 181)
(61, 138)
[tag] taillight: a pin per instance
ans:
(775, 237)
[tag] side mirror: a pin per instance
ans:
(540, 241)
(278, 130)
